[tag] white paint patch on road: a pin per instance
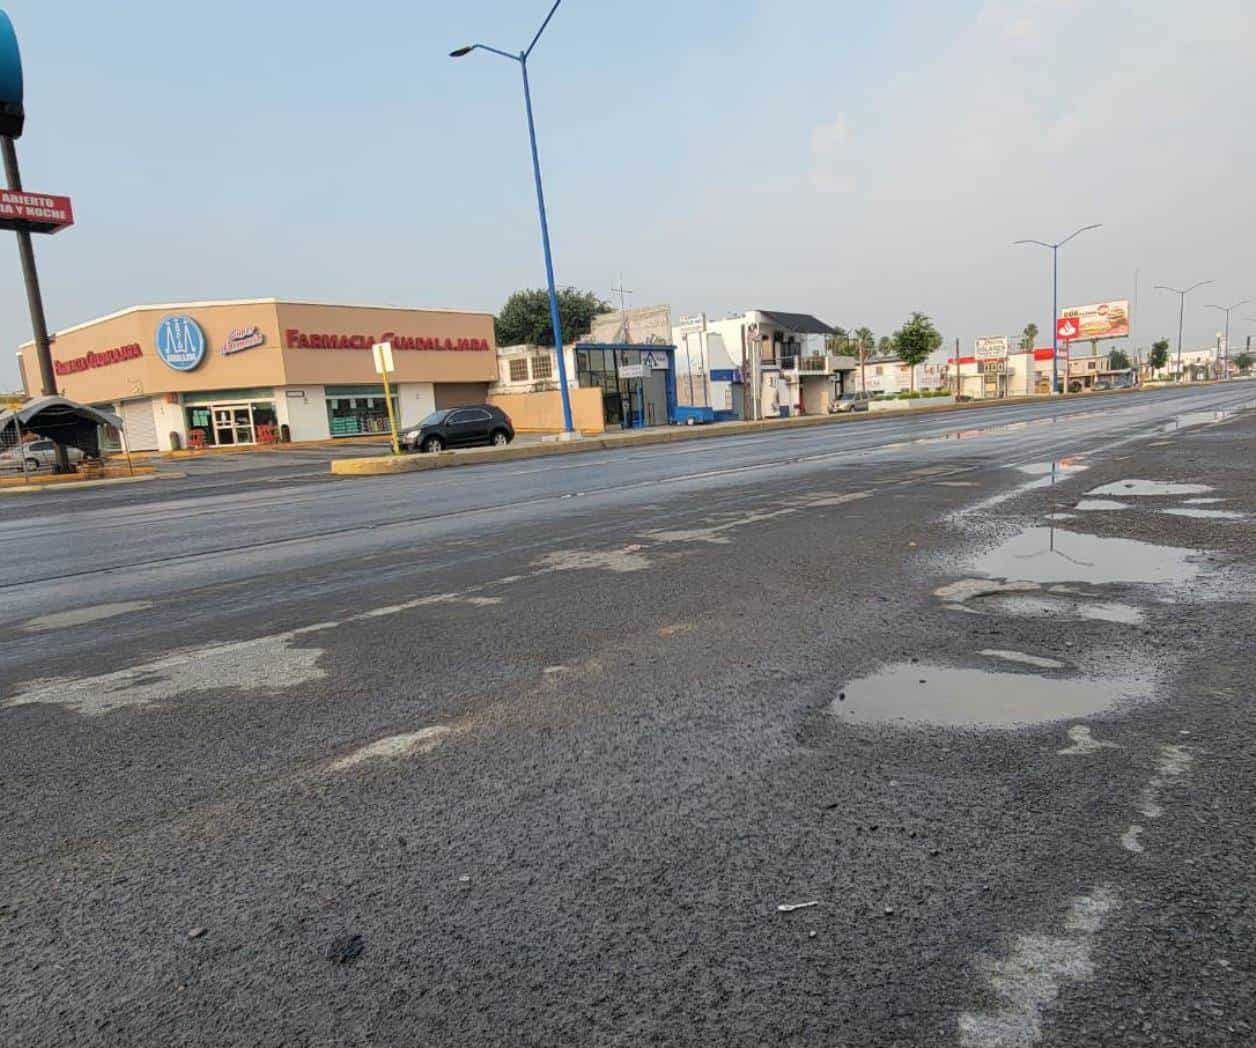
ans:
(1136, 488)
(957, 484)
(1023, 658)
(1033, 974)
(264, 664)
(1174, 761)
(1205, 514)
(1101, 506)
(1084, 743)
(84, 616)
(1129, 839)
(967, 589)
(394, 747)
(621, 561)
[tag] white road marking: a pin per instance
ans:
(83, 616)
(1034, 972)
(1084, 742)
(269, 663)
(1129, 839)
(394, 747)
(967, 589)
(1022, 657)
(621, 561)
(1174, 761)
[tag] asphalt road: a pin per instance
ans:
(532, 754)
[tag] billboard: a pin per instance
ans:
(1100, 320)
(35, 212)
(994, 348)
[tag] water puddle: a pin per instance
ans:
(1201, 418)
(1100, 505)
(1046, 555)
(1130, 488)
(1056, 608)
(944, 696)
(1206, 514)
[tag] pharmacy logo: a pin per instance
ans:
(180, 343)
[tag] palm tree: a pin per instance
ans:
(1029, 336)
(863, 342)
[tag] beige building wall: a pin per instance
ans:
(543, 412)
(275, 362)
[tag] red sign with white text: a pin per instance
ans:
(35, 212)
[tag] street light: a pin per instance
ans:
(1181, 293)
(522, 59)
(1226, 310)
(1055, 297)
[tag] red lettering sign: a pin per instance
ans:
(36, 212)
(294, 338)
(98, 360)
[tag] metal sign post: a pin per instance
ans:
(382, 352)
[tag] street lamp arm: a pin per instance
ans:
(544, 24)
(1040, 243)
(1078, 233)
(461, 52)
(1162, 287)
(1202, 283)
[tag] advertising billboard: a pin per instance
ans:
(993, 348)
(1100, 320)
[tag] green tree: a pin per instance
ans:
(1159, 355)
(525, 318)
(838, 341)
(1118, 360)
(885, 346)
(1243, 362)
(1029, 336)
(914, 341)
(863, 342)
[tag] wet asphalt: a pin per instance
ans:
(628, 672)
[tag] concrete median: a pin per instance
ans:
(387, 465)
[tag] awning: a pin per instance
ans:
(65, 421)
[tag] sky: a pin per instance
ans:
(856, 161)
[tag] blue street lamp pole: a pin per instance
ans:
(1055, 298)
(555, 319)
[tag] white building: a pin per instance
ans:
(758, 364)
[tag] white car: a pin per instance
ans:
(38, 454)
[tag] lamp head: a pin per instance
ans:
(462, 52)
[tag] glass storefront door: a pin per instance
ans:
(219, 425)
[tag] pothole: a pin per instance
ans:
(907, 694)
(1045, 555)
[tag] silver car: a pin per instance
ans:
(39, 454)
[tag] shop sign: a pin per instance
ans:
(295, 339)
(36, 212)
(993, 348)
(632, 371)
(654, 361)
(98, 360)
(180, 343)
(241, 339)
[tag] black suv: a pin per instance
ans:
(460, 428)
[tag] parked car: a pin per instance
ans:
(1102, 385)
(460, 428)
(38, 454)
(851, 402)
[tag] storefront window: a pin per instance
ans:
(221, 424)
(353, 410)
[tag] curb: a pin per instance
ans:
(78, 485)
(391, 465)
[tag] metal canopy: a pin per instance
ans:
(65, 421)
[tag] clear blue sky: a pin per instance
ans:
(857, 161)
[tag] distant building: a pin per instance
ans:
(759, 364)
